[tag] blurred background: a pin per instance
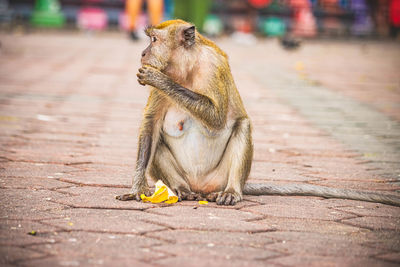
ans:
(327, 113)
(243, 18)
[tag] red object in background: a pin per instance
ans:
(304, 24)
(394, 13)
(92, 18)
(242, 24)
(85, 2)
(123, 21)
(296, 4)
(329, 3)
(259, 3)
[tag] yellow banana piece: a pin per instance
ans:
(161, 194)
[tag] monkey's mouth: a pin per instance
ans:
(152, 63)
(148, 65)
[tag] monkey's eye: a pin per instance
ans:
(153, 39)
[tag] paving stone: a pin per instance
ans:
(267, 126)
(375, 223)
(31, 183)
(372, 209)
(89, 166)
(54, 154)
(362, 138)
(121, 178)
(357, 237)
(206, 262)
(99, 198)
(307, 225)
(335, 168)
(277, 171)
(393, 257)
(335, 203)
(107, 221)
(257, 240)
(56, 135)
(212, 213)
(383, 239)
(11, 255)
(311, 260)
(116, 159)
(16, 233)
(324, 247)
(212, 219)
(35, 170)
(362, 84)
(212, 250)
(58, 260)
(301, 208)
(29, 204)
(270, 152)
(84, 247)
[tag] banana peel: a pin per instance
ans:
(161, 194)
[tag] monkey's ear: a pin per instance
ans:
(188, 35)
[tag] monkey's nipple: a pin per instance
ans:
(180, 125)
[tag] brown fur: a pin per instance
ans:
(192, 87)
(195, 134)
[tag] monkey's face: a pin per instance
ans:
(168, 45)
(158, 52)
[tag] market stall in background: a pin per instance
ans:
(301, 18)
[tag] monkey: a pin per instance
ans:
(195, 134)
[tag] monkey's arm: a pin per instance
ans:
(148, 138)
(211, 108)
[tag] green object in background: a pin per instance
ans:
(47, 14)
(194, 11)
(273, 26)
(213, 25)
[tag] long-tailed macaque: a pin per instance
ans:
(195, 134)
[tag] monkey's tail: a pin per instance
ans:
(318, 191)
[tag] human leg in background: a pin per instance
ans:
(132, 8)
(155, 11)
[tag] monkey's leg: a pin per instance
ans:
(132, 8)
(165, 168)
(237, 163)
(148, 138)
(139, 182)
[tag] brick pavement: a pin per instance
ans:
(70, 109)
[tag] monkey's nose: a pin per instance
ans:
(143, 53)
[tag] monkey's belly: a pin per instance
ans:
(196, 150)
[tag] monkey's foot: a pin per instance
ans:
(224, 198)
(183, 195)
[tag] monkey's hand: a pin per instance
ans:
(135, 194)
(151, 76)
